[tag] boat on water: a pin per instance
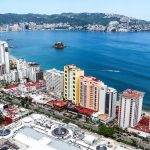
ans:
(59, 45)
(9, 40)
(12, 47)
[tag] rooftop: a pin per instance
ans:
(58, 103)
(3, 42)
(85, 111)
(103, 117)
(72, 66)
(33, 64)
(11, 86)
(36, 132)
(55, 71)
(143, 125)
(132, 94)
(90, 77)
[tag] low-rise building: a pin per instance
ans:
(26, 88)
(31, 87)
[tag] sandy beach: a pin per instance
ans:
(13, 59)
(146, 112)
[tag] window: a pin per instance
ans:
(6, 49)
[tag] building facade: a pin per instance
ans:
(32, 70)
(14, 75)
(130, 108)
(39, 75)
(95, 95)
(22, 66)
(72, 76)
(31, 87)
(110, 102)
(55, 82)
(89, 92)
(4, 58)
(2, 69)
(102, 98)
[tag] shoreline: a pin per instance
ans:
(77, 30)
(147, 113)
(12, 58)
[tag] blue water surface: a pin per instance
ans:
(121, 60)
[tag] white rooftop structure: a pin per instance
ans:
(27, 120)
(1, 107)
(31, 133)
(89, 139)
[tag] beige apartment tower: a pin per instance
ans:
(91, 95)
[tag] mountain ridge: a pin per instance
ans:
(84, 21)
(55, 18)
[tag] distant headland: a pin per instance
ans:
(101, 22)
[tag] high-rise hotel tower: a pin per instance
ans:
(90, 94)
(95, 95)
(55, 82)
(130, 108)
(4, 58)
(72, 76)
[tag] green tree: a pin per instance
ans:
(1, 118)
(106, 131)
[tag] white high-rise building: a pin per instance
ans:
(110, 102)
(14, 75)
(55, 82)
(107, 104)
(107, 101)
(22, 68)
(33, 68)
(102, 97)
(130, 108)
(2, 69)
(4, 57)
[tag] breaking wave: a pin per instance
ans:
(116, 71)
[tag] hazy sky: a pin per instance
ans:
(133, 8)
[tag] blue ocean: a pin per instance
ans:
(121, 60)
